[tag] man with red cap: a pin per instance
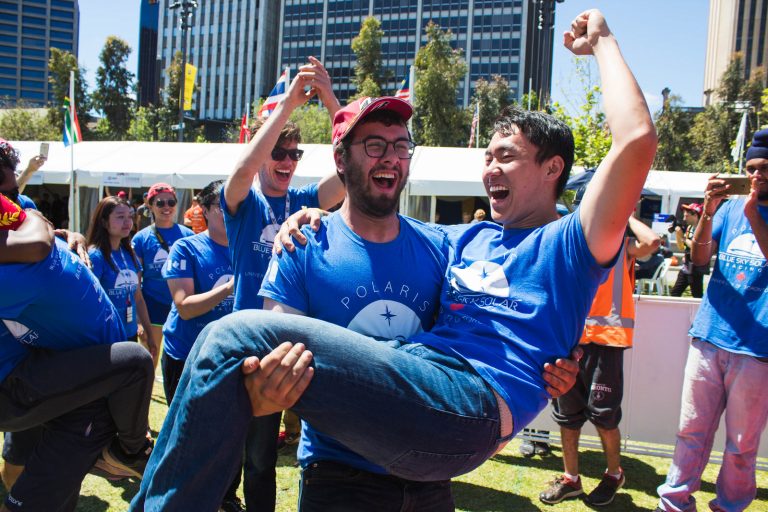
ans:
(441, 402)
(690, 274)
(727, 363)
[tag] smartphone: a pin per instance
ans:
(739, 185)
(44, 149)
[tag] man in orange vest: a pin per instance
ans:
(598, 391)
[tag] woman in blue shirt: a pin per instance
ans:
(116, 266)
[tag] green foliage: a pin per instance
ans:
(314, 122)
(114, 84)
(591, 136)
(439, 71)
(23, 123)
(493, 96)
(59, 66)
(145, 125)
(673, 127)
(367, 49)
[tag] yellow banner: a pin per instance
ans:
(190, 73)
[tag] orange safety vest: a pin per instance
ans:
(611, 319)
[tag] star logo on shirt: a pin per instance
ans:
(388, 315)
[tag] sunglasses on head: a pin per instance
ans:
(278, 154)
(160, 203)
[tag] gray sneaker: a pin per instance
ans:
(561, 488)
(606, 490)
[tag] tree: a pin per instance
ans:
(493, 96)
(22, 123)
(673, 126)
(439, 71)
(59, 66)
(114, 84)
(367, 48)
(314, 122)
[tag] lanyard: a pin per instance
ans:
(125, 262)
(160, 238)
(272, 218)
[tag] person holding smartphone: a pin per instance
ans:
(690, 274)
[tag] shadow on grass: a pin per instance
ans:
(477, 498)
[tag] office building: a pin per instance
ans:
(735, 26)
(511, 38)
(149, 64)
(233, 44)
(28, 29)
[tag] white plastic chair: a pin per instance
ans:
(656, 283)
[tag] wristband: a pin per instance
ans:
(700, 243)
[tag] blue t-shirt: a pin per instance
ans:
(512, 300)
(57, 303)
(120, 285)
(152, 256)
(370, 288)
(11, 352)
(25, 202)
(208, 265)
(734, 312)
(251, 232)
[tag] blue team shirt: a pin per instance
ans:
(251, 233)
(734, 312)
(512, 300)
(57, 303)
(120, 285)
(11, 352)
(152, 256)
(25, 202)
(370, 288)
(207, 263)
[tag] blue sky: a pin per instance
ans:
(664, 42)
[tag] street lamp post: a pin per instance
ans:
(186, 6)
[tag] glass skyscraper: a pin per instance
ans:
(28, 29)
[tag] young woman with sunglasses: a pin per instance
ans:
(116, 266)
(152, 245)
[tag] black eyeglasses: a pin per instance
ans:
(376, 147)
(160, 203)
(278, 154)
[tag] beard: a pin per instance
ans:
(364, 198)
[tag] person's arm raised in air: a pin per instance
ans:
(35, 163)
(646, 241)
(702, 245)
(613, 192)
(259, 149)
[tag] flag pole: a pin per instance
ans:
(412, 92)
(477, 129)
(73, 220)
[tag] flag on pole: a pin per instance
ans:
(475, 122)
(276, 94)
(740, 139)
(72, 133)
(404, 92)
(245, 134)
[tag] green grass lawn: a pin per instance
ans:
(508, 482)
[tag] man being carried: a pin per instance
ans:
(445, 401)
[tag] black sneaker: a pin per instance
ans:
(232, 505)
(133, 464)
(561, 488)
(605, 490)
(527, 449)
(541, 449)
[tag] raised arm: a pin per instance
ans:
(646, 241)
(702, 245)
(35, 163)
(615, 189)
(258, 150)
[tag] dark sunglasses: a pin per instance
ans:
(160, 203)
(278, 154)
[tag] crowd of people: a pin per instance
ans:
(411, 352)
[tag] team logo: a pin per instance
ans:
(387, 319)
(485, 277)
(160, 256)
(269, 233)
(224, 279)
(745, 246)
(127, 278)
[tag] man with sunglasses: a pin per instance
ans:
(257, 198)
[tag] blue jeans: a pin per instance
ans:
(420, 414)
(333, 487)
(715, 381)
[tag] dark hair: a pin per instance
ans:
(98, 235)
(385, 117)
(551, 136)
(210, 194)
(289, 133)
(9, 157)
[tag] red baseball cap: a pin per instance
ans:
(696, 208)
(346, 118)
(158, 188)
(11, 214)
